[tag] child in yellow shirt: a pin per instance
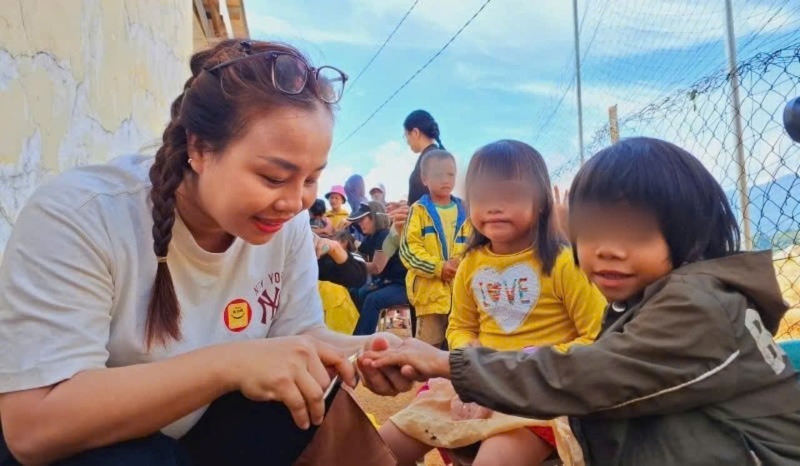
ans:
(516, 288)
(433, 240)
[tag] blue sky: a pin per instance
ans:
(506, 74)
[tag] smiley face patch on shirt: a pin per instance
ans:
(237, 315)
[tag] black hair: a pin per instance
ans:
(509, 159)
(437, 154)
(344, 236)
(317, 209)
(691, 208)
(425, 123)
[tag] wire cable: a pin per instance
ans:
(369, 63)
(416, 73)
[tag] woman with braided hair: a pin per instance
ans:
(164, 311)
(422, 135)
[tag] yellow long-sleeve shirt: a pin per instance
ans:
(337, 218)
(506, 302)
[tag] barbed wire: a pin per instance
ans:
(698, 118)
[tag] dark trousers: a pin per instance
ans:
(233, 431)
(371, 301)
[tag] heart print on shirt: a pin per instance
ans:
(507, 296)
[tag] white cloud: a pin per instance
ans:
(274, 27)
(392, 164)
(628, 97)
(543, 29)
(507, 24)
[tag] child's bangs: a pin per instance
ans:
(666, 181)
(615, 175)
(498, 161)
(644, 173)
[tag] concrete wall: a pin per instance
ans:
(82, 81)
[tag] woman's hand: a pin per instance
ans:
(334, 249)
(322, 246)
(415, 360)
(398, 213)
(460, 411)
(561, 210)
(292, 370)
(386, 381)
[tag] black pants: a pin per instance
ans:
(233, 431)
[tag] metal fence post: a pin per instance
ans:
(736, 109)
(613, 123)
(578, 76)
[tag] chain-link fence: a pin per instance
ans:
(699, 118)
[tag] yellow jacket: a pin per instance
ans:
(341, 314)
(424, 250)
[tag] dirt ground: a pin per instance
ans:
(384, 407)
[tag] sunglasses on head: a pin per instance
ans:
(290, 73)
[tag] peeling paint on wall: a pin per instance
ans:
(82, 82)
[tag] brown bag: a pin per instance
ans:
(346, 437)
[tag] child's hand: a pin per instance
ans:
(561, 210)
(387, 381)
(460, 411)
(449, 270)
(417, 360)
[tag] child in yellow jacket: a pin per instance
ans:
(434, 238)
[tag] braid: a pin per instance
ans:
(214, 108)
(436, 135)
(166, 175)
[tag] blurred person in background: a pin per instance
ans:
(337, 214)
(378, 193)
(356, 191)
(320, 225)
(422, 135)
(386, 287)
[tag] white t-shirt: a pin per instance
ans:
(79, 268)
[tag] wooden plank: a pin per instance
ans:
(200, 11)
(216, 19)
(245, 27)
(226, 20)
